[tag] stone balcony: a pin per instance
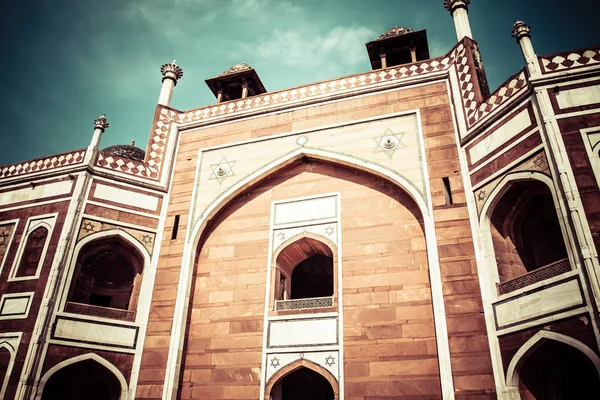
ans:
(546, 272)
(98, 311)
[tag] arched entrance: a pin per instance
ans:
(86, 379)
(302, 384)
(302, 380)
(552, 366)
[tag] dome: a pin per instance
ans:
(236, 68)
(395, 31)
(126, 151)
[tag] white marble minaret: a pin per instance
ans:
(459, 9)
(171, 74)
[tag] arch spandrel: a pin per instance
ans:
(389, 147)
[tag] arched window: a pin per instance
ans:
(527, 236)
(304, 276)
(107, 279)
(32, 252)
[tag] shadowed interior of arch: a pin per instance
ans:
(86, 379)
(557, 371)
(302, 384)
(5, 357)
(304, 270)
(525, 229)
(107, 274)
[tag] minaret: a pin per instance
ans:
(171, 74)
(100, 125)
(522, 33)
(459, 9)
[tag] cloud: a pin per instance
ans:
(308, 48)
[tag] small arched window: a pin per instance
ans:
(107, 280)
(32, 252)
(304, 276)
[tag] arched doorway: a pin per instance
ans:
(554, 370)
(302, 384)
(86, 379)
(526, 235)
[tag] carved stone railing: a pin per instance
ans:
(546, 272)
(304, 304)
(98, 311)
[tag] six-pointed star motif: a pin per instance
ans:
(222, 170)
(389, 142)
(3, 237)
(88, 226)
(147, 239)
(329, 361)
(481, 195)
(329, 230)
(274, 362)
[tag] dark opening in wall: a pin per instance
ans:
(447, 190)
(175, 228)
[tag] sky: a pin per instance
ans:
(65, 62)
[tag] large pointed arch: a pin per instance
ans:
(200, 223)
(514, 368)
(89, 356)
(322, 155)
(296, 365)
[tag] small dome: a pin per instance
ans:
(236, 68)
(395, 31)
(126, 151)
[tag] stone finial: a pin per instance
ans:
(395, 31)
(521, 29)
(236, 68)
(452, 5)
(101, 122)
(171, 71)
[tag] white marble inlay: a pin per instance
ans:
(305, 210)
(326, 359)
(578, 97)
(500, 136)
(303, 332)
(545, 301)
(96, 332)
(15, 305)
(126, 197)
(36, 192)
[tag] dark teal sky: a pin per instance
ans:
(64, 62)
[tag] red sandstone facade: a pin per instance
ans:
(400, 233)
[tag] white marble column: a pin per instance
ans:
(171, 74)
(100, 125)
(459, 9)
(522, 33)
